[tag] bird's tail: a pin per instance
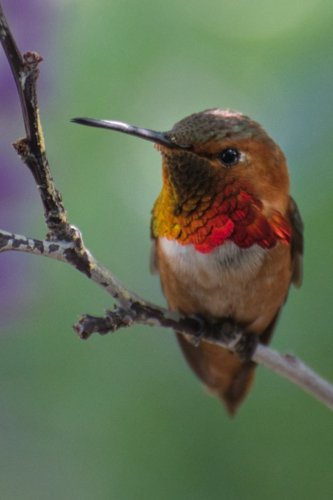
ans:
(222, 371)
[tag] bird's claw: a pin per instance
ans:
(246, 346)
(229, 332)
(233, 335)
(203, 329)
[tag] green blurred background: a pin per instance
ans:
(121, 416)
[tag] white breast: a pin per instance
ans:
(224, 262)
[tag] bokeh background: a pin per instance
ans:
(122, 416)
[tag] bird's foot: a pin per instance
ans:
(228, 331)
(233, 336)
(203, 329)
(247, 345)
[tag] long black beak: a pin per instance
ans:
(144, 133)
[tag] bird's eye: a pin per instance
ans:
(229, 157)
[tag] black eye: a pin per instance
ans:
(229, 157)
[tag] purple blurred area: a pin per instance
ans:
(30, 23)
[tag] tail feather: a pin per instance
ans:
(222, 371)
(239, 387)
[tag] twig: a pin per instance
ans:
(72, 252)
(32, 148)
(286, 365)
(296, 371)
(64, 243)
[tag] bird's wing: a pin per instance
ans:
(153, 267)
(297, 243)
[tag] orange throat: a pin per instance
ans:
(231, 212)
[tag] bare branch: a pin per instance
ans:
(296, 371)
(73, 252)
(229, 337)
(32, 148)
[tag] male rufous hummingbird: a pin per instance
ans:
(227, 237)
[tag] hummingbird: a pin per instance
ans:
(227, 237)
